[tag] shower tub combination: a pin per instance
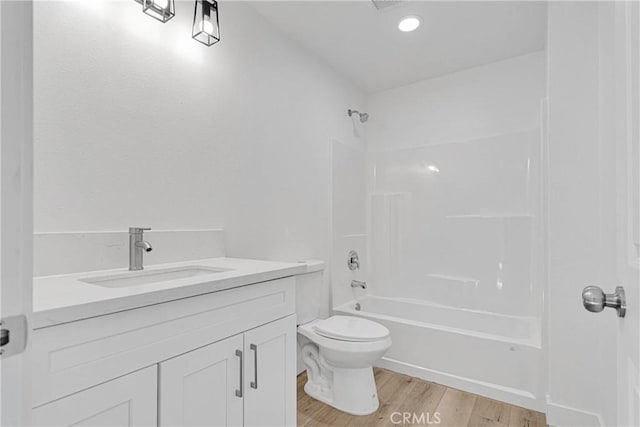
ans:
(494, 355)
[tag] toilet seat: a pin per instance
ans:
(352, 329)
(308, 330)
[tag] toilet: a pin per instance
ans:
(339, 352)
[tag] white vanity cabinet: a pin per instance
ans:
(270, 374)
(176, 363)
(248, 379)
(202, 387)
(126, 401)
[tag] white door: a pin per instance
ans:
(130, 400)
(619, 37)
(16, 159)
(270, 380)
(627, 99)
(203, 387)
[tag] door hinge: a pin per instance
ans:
(13, 335)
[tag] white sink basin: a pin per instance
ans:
(145, 277)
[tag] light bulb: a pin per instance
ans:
(162, 4)
(207, 27)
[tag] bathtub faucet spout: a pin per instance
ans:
(358, 284)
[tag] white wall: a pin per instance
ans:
(494, 99)
(138, 124)
(463, 234)
(581, 345)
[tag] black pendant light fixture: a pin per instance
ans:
(206, 28)
(162, 10)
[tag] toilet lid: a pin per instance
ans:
(348, 328)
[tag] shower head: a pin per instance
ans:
(363, 116)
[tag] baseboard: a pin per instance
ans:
(561, 415)
(512, 396)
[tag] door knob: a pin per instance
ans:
(4, 337)
(595, 300)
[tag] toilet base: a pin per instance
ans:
(349, 390)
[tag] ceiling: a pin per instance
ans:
(365, 44)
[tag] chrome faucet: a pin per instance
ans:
(358, 284)
(137, 246)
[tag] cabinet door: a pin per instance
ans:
(130, 400)
(270, 380)
(203, 387)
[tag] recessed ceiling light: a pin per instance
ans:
(409, 23)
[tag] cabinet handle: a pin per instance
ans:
(239, 392)
(254, 383)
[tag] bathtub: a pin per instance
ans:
(494, 355)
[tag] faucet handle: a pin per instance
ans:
(136, 230)
(353, 262)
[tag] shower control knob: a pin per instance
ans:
(595, 300)
(353, 262)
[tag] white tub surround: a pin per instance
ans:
(66, 298)
(499, 327)
(455, 259)
(494, 355)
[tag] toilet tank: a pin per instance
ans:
(309, 295)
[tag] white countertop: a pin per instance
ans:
(65, 298)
